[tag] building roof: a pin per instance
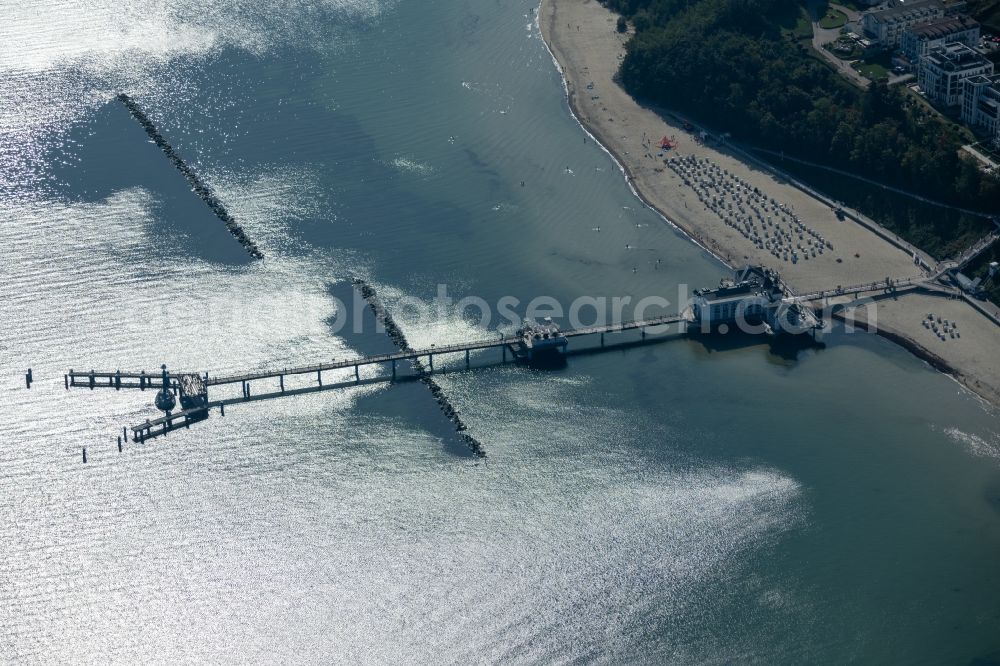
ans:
(904, 9)
(983, 78)
(955, 57)
(746, 282)
(993, 83)
(943, 27)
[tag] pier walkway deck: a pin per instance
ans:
(143, 380)
(154, 381)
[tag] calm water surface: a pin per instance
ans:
(675, 503)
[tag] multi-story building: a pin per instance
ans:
(943, 70)
(887, 25)
(981, 105)
(920, 38)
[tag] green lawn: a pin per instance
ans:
(872, 70)
(834, 19)
(796, 25)
(802, 30)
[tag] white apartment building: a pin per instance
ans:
(981, 105)
(887, 25)
(918, 40)
(942, 72)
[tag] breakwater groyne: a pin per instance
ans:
(399, 339)
(197, 184)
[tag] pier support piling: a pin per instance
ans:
(319, 377)
(85, 455)
(222, 409)
(466, 359)
(357, 375)
(430, 358)
(282, 380)
(66, 380)
(394, 368)
(119, 444)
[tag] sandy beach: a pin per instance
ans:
(805, 241)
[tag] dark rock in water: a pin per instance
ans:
(396, 335)
(201, 189)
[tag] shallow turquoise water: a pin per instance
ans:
(670, 503)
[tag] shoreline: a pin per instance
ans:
(569, 49)
(619, 159)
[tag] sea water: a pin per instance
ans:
(684, 502)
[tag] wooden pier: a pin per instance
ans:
(142, 380)
(193, 387)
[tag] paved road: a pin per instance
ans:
(823, 36)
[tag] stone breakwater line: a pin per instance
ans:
(200, 187)
(399, 339)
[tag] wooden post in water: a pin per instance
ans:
(118, 380)
(319, 377)
(394, 368)
(222, 409)
(66, 380)
(119, 444)
(282, 380)
(431, 359)
(85, 455)
(357, 375)
(466, 359)
(92, 380)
